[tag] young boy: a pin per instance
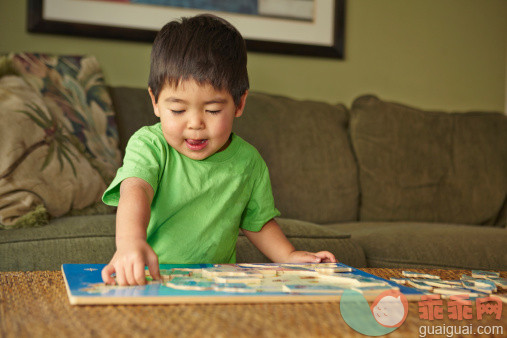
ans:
(188, 184)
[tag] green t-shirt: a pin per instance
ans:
(198, 206)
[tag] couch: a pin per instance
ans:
(379, 184)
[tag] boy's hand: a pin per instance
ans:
(311, 257)
(129, 262)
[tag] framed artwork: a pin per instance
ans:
(298, 27)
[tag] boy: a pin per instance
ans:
(188, 184)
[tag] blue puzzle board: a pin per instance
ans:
(85, 286)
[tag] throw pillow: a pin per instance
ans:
(58, 140)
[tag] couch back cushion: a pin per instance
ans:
(417, 165)
(134, 110)
(307, 150)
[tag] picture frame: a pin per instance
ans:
(323, 36)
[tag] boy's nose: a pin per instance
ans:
(195, 121)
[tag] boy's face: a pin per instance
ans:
(196, 119)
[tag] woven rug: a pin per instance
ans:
(35, 304)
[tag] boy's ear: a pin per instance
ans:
(241, 106)
(153, 102)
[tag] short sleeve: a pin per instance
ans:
(143, 159)
(261, 206)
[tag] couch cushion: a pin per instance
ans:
(429, 245)
(424, 166)
(307, 236)
(134, 110)
(77, 239)
(90, 239)
(306, 147)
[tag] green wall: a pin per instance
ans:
(433, 54)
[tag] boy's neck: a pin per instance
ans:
(229, 140)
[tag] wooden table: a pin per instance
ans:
(35, 304)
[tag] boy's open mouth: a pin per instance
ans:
(196, 144)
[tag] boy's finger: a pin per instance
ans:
(139, 274)
(154, 268)
(106, 274)
(120, 276)
(310, 257)
(326, 256)
(129, 274)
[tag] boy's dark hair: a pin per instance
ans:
(205, 48)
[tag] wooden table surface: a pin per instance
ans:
(35, 304)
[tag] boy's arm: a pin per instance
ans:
(272, 242)
(133, 253)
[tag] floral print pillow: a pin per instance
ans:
(58, 140)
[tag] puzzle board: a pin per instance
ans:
(230, 283)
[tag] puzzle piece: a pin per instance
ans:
(503, 297)
(412, 274)
(332, 269)
(296, 270)
(458, 291)
(308, 288)
(501, 282)
(182, 283)
(239, 279)
(234, 287)
(264, 269)
(369, 290)
(229, 270)
(401, 281)
(351, 279)
(484, 274)
(439, 283)
(485, 286)
(419, 284)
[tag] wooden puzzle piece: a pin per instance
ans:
(439, 283)
(418, 284)
(299, 271)
(374, 290)
(234, 287)
(501, 282)
(351, 279)
(412, 274)
(264, 269)
(229, 270)
(490, 282)
(401, 281)
(168, 274)
(484, 274)
(503, 297)
(239, 279)
(479, 287)
(458, 291)
(331, 270)
(182, 283)
(316, 288)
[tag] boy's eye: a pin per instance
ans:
(213, 111)
(177, 111)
